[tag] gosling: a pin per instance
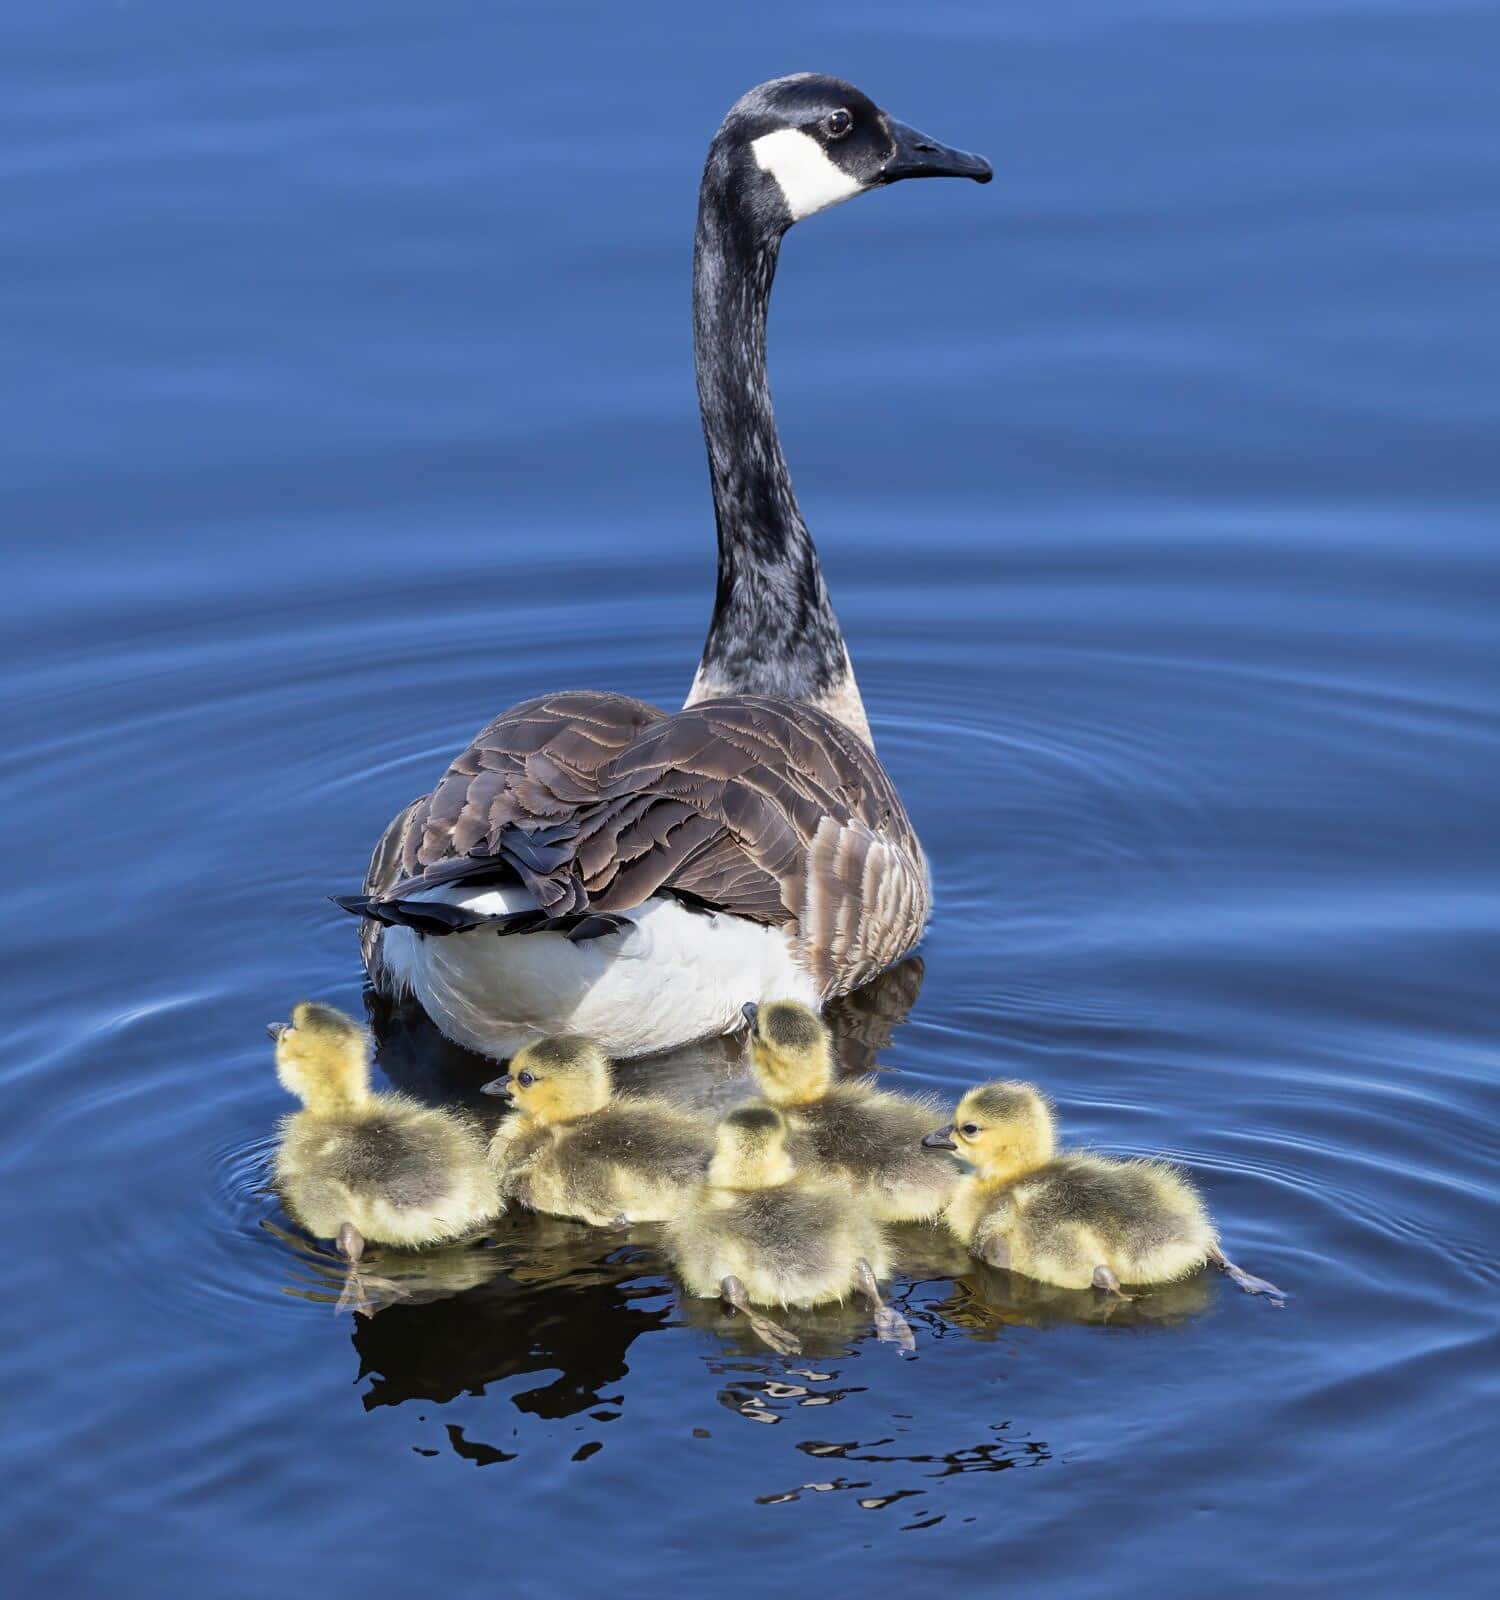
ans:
(356, 1166)
(1074, 1220)
(851, 1134)
(757, 1234)
(576, 1149)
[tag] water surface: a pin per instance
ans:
(351, 400)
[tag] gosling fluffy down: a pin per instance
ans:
(1073, 1220)
(398, 1172)
(849, 1134)
(788, 1241)
(574, 1148)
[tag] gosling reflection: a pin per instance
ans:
(984, 1301)
(387, 1275)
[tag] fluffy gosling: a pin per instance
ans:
(757, 1234)
(353, 1165)
(574, 1148)
(1073, 1220)
(849, 1134)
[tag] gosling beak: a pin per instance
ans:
(917, 156)
(750, 1011)
(940, 1139)
(276, 1029)
(500, 1085)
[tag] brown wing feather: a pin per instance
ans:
(762, 808)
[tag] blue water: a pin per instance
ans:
(350, 399)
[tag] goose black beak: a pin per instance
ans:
(276, 1029)
(917, 156)
(750, 1011)
(498, 1086)
(940, 1139)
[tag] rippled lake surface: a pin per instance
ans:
(351, 400)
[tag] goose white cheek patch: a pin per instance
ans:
(808, 180)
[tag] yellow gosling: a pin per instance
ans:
(1071, 1219)
(574, 1148)
(353, 1165)
(758, 1235)
(863, 1139)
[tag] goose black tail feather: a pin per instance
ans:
(436, 918)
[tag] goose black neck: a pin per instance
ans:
(773, 629)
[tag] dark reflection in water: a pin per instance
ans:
(557, 1299)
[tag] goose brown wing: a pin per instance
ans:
(771, 810)
(762, 808)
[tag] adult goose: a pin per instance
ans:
(594, 865)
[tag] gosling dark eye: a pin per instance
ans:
(837, 123)
(525, 1079)
(969, 1129)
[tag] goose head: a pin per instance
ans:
(323, 1058)
(795, 146)
(1001, 1129)
(556, 1079)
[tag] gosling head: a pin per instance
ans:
(555, 1080)
(789, 1052)
(322, 1057)
(1001, 1129)
(797, 145)
(750, 1149)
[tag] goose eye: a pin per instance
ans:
(969, 1129)
(525, 1079)
(838, 123)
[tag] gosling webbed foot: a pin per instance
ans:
(1105, 1279)
(769, 1333)
(1246, 1280)
(890, 1326)
(355, 1295)
(352, 1296)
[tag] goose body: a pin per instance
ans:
(595, 865)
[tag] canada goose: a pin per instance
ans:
(758, 1234)
(853, 1134)
(575, 1149)
(1074, 1220)
(353, 1165)
(659, 864)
